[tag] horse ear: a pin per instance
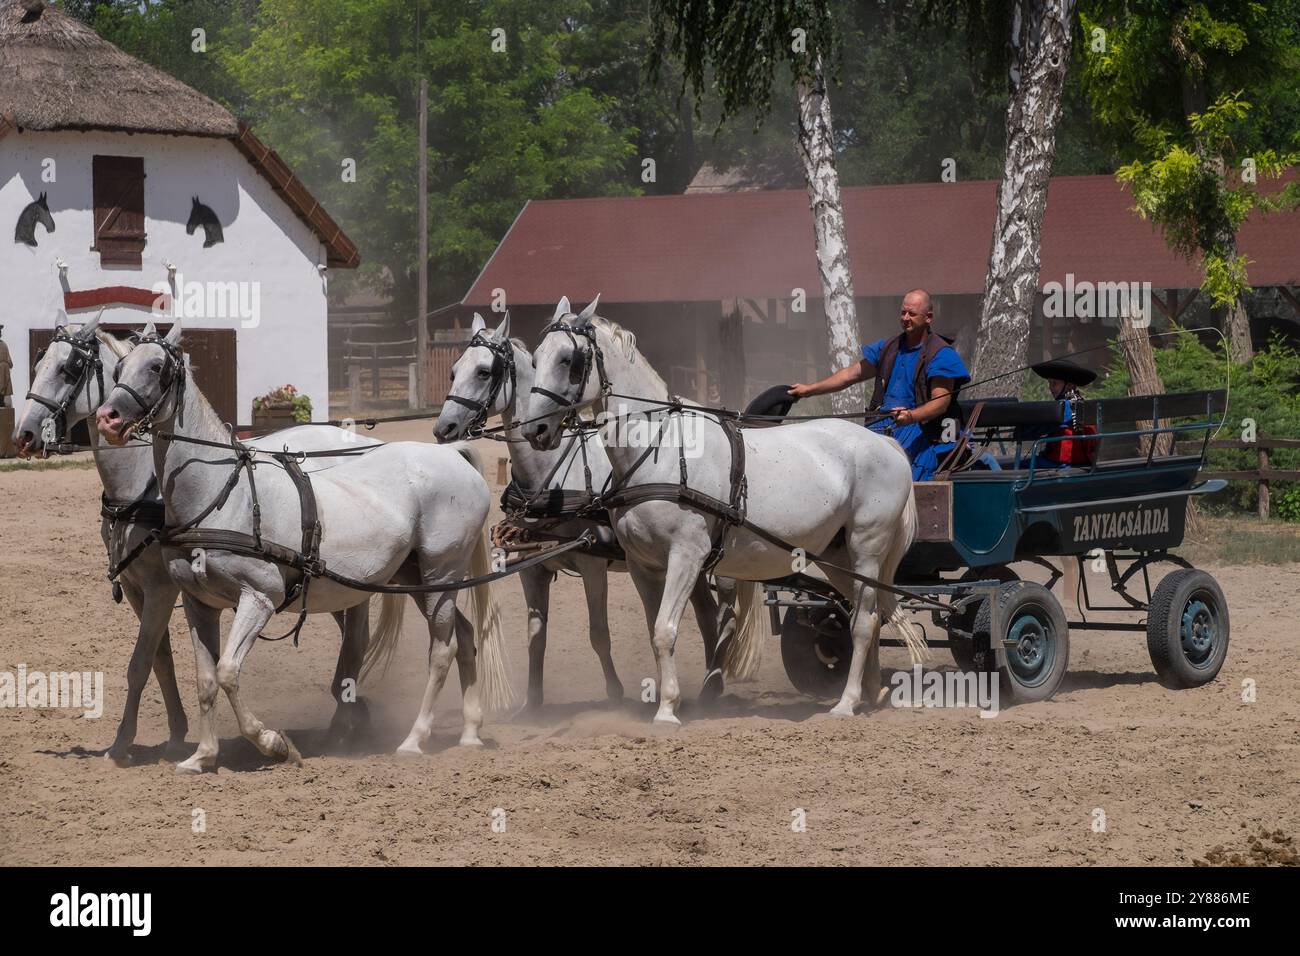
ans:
(149, 329)
(503, 330)
(562, 308)
(478, 325)
(93, 324)
(174, 336)
(585, 316)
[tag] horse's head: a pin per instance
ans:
(196, 217)
(148, 386)
(61, 391)
(482, 382)
(566, 374)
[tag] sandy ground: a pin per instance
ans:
(1176, 773)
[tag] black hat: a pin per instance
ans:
(1066, 371)
(774, 401)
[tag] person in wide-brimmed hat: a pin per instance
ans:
(1065, 379)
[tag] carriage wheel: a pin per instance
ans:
(1187, 629)
(816, 647)
(965, 652)
(1036, 641)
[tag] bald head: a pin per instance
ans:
(916, 315)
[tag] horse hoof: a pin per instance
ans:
(713, 685)
(471, 741)
(841, 710)
(669, 719)
(408, 750)
(192, 767)
(290, 754)
(614, 690)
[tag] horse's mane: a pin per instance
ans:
(626, 340)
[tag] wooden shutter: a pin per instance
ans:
(119, 209)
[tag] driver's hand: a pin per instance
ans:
(799, 391)
(903, 416)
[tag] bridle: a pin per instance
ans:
(503, 366)
(171, 376)
(580, 367)
(82, 361)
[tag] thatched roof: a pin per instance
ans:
(59, 74)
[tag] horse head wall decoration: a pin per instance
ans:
(201, 215)
(38, 210)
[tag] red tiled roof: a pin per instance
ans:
(759, 244)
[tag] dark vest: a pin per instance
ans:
(930, 347)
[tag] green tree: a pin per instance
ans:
(329, 81)
(743, 43)
(1201, 100)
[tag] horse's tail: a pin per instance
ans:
(383, 642)
(495, 691)
(913, 638)
(747, 646)
(493, 673)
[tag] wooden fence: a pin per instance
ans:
(1263, 473)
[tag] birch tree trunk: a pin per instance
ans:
(1143, 377)
(817, 154)
(1041, 37)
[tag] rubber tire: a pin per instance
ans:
(1014, 599)
(964, 652)
(809, 673)
(1164, 628)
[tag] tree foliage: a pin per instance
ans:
(1189, 92)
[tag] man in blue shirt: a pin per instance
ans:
(916, 375)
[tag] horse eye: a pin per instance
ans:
(156, 368)
(565, 361)
(451, 377)
(484, 373)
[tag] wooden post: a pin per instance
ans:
(354, 386)
(1263, 484)
(413, 385)
(422, 265)
(503, 471)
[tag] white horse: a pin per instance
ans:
(491, 378)
(830, 487)
(68, 378)
(403, 512)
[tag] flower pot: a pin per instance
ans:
(273, 418)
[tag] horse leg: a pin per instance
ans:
(706, 615)
(350, 712)
(673, 590)
(727, 618)
(595, 582)
(536, 582)
(252, 614)
(137, 675)
(205, 632)
(467, 665)
(440, 611)
(164, 668)
(864, 665)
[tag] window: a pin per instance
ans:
(119, 209)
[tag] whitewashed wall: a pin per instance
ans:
(265, 242)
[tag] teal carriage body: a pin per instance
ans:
(1124, 510)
